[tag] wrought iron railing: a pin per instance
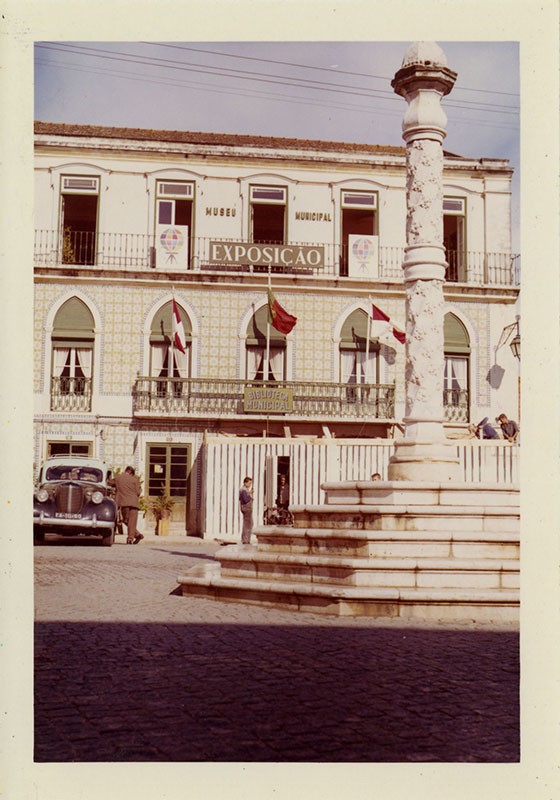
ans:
(456, 405)
(211, 397)
(70, 394)
(132, 251)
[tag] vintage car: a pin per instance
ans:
(72, 498)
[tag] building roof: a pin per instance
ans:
(219, 139)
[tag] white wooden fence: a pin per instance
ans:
(225, 464)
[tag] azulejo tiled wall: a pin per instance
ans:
(125, 310)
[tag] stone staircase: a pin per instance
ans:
(423, 551)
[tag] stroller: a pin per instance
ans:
(278, 516)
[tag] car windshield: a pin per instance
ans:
(63, 472)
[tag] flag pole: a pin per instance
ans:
(171, 361)
(267, 360)
(368, 334)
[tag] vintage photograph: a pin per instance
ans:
(288, 301)
(277, 345)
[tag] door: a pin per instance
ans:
(168, 472)
(79, 228)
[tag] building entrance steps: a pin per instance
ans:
(441, 560)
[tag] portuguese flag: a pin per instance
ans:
(278, 316)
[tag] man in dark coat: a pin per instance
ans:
(283, 499)
(246, 506)
(128, 500)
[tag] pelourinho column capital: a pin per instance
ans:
(423, 85)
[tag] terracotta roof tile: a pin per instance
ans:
(220, 139)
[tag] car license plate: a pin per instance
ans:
(66, 515)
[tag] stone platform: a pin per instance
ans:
(398, 549)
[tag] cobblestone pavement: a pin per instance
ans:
(126, 669)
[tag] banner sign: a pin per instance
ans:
(274, 255)
(363, 256)
(269, 399)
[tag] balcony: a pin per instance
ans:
(198, 397)
(70, 394)
(137, 252)
(456, 405)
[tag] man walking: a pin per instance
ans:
(128, 500)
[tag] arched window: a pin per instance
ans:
(256, 366)
(456, 370)
(358, 351)
(72, 357)
(166, 360)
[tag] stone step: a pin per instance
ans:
(388, 544)
(391, 572)
(408, 518)
(443, 604)
(410, 493)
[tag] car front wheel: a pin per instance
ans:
(39, 537)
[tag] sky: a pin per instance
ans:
(338, 91)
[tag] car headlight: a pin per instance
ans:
(97, 497)
(42, 495)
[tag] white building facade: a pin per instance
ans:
(129, 220)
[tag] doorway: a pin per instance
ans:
(79, 228)
(168, 471)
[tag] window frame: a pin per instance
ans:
(456, 272)
(280, 202)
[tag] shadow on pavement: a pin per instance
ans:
(249, 693)
(190, 554)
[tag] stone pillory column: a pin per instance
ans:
(423, 80)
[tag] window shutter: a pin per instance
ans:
(456, 338)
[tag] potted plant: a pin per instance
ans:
(161, 507)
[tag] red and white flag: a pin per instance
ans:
(387, 326)
(179, 339)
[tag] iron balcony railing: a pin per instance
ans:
(131, 251)
(70, 394)
(456, 405)
(208, 397)
(200, 397)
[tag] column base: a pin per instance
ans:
(424, 461)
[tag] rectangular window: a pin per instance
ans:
(71, 376)
(268, 214)
(456, 388)
(69, 449)
(454, 239)
(268, 194)
(454, 205)
(80, 185)
(175, 189)
(359, 200)
(165, 212)
(256, 368)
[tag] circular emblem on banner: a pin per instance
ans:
(171, 240)
(363, 250)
